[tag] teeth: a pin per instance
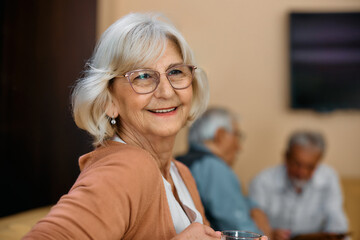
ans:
(164, 110)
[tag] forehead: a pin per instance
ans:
(305, 155)
(170, 55)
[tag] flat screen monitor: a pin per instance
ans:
(325, 61)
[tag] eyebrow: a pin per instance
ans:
(174, 64)
(147, 68)
(168, 67)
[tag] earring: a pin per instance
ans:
(113, 121)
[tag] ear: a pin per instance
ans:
(111, 110)
(219, 135)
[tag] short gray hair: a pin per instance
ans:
(205, 127)
(306, 139)
(131, 42)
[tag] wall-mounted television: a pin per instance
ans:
(324, 61)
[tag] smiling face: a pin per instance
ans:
(161, 113)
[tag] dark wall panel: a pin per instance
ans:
(44, 46)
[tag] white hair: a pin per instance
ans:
(131, 42)
(205, 127)
(306, 139)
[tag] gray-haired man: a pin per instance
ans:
(214, 144)
(302, 195)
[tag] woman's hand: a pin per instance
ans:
(198, 231)
(281, 234)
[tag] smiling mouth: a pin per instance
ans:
(163, 110)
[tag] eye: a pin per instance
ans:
(175, 72)
(143, 76)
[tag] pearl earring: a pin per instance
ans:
(113, 121)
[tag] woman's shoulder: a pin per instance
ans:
(121, 167)
(116, 154)
(117, 184)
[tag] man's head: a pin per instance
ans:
(218, 129)
(304, 151)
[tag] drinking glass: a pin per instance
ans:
(237, 234)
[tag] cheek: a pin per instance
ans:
(291, 171)
(186, 99)
(129, 99)
(187, 95)
(131, 106)
(229, 145)
(297, 172)
(236, 143)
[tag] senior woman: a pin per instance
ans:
(141, 86)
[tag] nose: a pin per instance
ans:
(164, 89)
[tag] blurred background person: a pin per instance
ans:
(302, 195)
(214, 141)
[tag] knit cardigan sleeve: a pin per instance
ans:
(113, 190)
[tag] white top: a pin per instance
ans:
(318, 208)
(180, 219)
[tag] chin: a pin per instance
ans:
(168, 132)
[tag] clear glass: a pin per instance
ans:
(145, 81)
(237, 234)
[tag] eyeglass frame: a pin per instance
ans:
(240, 135)
(128, 74)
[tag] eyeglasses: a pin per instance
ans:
(240, 135)
(144, 81)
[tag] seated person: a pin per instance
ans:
(303, 195)
(139, 89)
(214, 143)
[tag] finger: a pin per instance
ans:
(211, 232)
(279, 237)
(283, 234)
(264, 238)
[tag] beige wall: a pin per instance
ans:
(243, 47)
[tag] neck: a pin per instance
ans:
(159, 147)
(215, 149)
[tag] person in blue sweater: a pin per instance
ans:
(214, 141)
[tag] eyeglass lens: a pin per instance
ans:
(146, 81)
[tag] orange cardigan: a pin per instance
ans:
(119, 194)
